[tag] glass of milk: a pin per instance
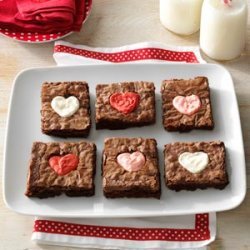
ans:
(181, 16)
(223, 28)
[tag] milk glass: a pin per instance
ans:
(223, 28)
(181, 16)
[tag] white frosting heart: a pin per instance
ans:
(65, 107)
(131, 162)
(194, 162)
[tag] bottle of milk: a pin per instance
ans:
(181, 16)
(223, 28)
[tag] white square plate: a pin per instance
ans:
(24, 128)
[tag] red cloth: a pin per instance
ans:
(43, 16)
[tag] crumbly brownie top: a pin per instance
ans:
(41, 174)
(116, 178)
(180, 87)
(51, 120)
(144, 111)
(214, 172)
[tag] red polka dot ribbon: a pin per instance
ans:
(200, 232)
(130, 55)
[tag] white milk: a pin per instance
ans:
(223, 28)
(181, 16)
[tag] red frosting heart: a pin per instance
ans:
(64, 164)
(124, 102)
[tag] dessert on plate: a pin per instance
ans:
(61, 167)
(130, 168)
(126, 104)
(192, 165)
(65, 109)
(186, 104)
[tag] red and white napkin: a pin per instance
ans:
(42, 15)
(70, 54)
(173, 232)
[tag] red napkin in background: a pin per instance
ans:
(42, 15)
(80, 14)
(29, 8)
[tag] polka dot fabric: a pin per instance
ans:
(36, 37)
(131, 55)
(199, 233)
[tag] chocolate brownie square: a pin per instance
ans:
(186, 104)
(63, 167)
(65, 109)
(192, 165)
(123, 105)
(130, 168)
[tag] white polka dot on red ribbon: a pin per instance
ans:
(199, 233)
(132, 55)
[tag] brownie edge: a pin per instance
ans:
(77, 124)
(172, 119)
(108, 117)
(118, 182)
(43, 181)
(213, 176)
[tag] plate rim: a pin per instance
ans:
(235, 203)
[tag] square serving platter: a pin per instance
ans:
(23, 128)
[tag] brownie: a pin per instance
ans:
(109, 117)
(213, 175)
(77, 124)
(118, 182)
(174, 120)
(43, 181)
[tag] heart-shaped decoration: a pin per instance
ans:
(64, 164)
(194, 162)
(124, 102)
(131, 162)
(65, 107)
(187, 105)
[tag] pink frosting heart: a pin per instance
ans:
(131, 162)
(187, 105)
